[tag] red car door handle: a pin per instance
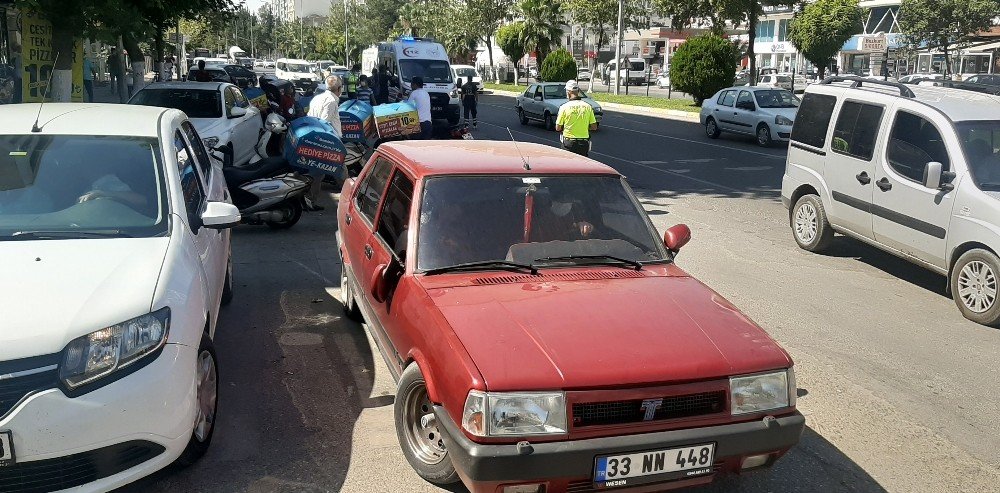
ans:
(368, 252)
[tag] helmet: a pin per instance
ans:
(572, 85)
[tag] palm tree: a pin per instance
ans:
(543, 22)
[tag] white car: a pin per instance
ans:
(211, 62)
(116, 259)
(301, 73)
(663, 80)
(466, 72)
(220, 112)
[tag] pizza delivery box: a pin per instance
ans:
(357, 121)
(396, 120)
(312, 144)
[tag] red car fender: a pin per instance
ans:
(426, 369)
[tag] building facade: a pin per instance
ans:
(293, 10)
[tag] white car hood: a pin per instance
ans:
(53, 291)
(209, 127)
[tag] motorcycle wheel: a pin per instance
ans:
(293, 212)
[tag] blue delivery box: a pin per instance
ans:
(311, 144)
(357, 120)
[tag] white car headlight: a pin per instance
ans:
(782, 120)
(211, 142)
(103, 352)
(514, 413)
(756, 393)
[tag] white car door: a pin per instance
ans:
(211, 245)
(247, 128)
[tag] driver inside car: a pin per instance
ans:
(559, 217)
(107, 185)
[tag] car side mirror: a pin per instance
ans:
(379, 284)
(220, 215)
(676, 237)
(237, 112)
(932, 175)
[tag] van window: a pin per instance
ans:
(727, 98)
(637, 66)
(813, 119)
(913, 143)
(856, 130)
(281, 66)
(432, 71)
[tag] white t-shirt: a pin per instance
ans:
(422, 101)
(326, 106)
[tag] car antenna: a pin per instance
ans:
(523, 159)
(35, 128)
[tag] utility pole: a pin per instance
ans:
(299, 13)
(347, 53)
(618, 47)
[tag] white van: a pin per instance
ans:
(466, 72)
(300, 73)
(912, 170)
(633, 74)
(410, 57)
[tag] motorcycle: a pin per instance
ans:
(458, 131)
(268, 191)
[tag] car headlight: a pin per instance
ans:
(101, 353)
(211, 142)
(514, 413)
(782, 120)
(756, 393)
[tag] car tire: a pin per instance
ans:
(550, 123)
(975, 285)
(764, 135)
(712, 128)
(810, 227)
(521, 117)
(417, 430)
(207, 395)
(347, 298)
(227, 284)
(294, 210)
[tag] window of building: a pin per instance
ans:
(782, 29)
(856, 130)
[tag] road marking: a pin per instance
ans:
(653, 162)
(750, 168)
(696, 161)
(636, 163)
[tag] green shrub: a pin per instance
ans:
(559, 66)
(703, 65)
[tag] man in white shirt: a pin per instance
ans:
(422, 101)
(326, 107)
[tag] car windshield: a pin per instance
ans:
(238, 71)
(637, 66)
(434, 71)
(981, 142)
(297, 67)
(466, 72)
(529, 219)
(75, 186)
(776, 99)
(784, 79)
(196, 103)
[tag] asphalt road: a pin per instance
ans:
(898, 389)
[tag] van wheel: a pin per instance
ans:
(974, 284)
(418, 431)
(521, 117)
(207, 397)
(712, 128)
(810, 227)
(764, 135)
(550, 123)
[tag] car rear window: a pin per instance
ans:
(813, 119)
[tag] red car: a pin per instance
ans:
(542, 337)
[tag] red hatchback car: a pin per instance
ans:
(542, 337)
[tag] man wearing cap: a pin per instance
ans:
(575, 120)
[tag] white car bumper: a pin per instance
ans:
(109, 437)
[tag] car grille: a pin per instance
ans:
(74, 470)
(13, 389)
(439, 99)
(631, 411)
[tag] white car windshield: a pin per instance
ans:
(297, 67)
(531, 220)
(69, 186)
(433, 71)
(776, 99)
(196, 103)
(981, 142)
(466, 72)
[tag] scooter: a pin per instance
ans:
(268, 191)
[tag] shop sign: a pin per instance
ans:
(873, 43)
(778, 48)
(39, 60)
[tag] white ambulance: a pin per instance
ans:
(410, 57)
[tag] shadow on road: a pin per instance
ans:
(845, 247)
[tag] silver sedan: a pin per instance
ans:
(763, 112)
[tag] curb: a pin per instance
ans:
(666, 114)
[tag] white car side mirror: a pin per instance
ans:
(932, 175)
(237, 112)
(220, 215)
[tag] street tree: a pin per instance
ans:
(542, 25)
(822, 28)
(378, 18)
(510, 40)
(703, 65)
(559, 66)
(487, 16)
(941, 23)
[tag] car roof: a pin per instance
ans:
(293, 60)
(955, 104)
(461, 157)
(186, 85)
(82, 118)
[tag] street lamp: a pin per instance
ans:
(618, 48)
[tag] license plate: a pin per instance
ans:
(437, 108)
(467, 136)
(653, 466)
(6, 449)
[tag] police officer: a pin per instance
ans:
(575, 120)
(352, 81)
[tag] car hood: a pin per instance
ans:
(785, 112)
(598, 333)
(53, 291)
(209, 127)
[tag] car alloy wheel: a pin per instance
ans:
(764, 136)
(521, 117)
(207, 393)
(421, 432)
(712, 128)
(806, 223)
(977, 286)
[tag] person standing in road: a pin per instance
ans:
(115, 69)
(88, 79)
(168, 68)
(364, 93)
(325, 106)
(420, 99)
(352, 81)
(202, 75)
(470, 101)
(373, 85)
(575, 120)
(383, 85)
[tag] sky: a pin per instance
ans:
(253, 5)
